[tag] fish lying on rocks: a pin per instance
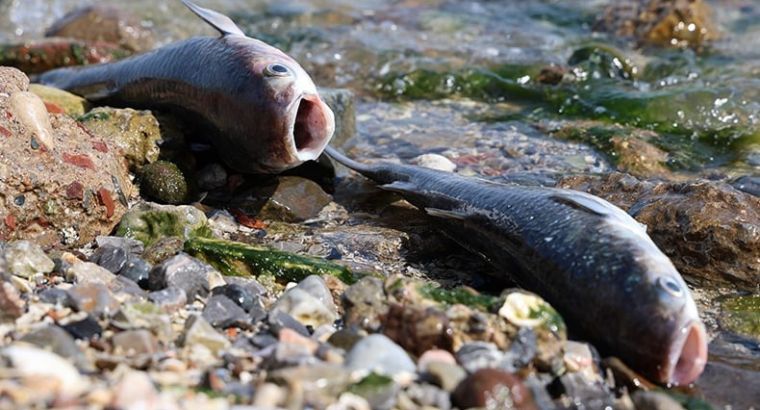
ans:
(262, 105)
(586, 257)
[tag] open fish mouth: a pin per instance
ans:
(313, 127)
(688, 355)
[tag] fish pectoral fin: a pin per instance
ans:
(400, 187)
(447, 214)
(219, 21)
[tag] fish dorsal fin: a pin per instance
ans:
(218, 20)
(588, 203)
(400, 187)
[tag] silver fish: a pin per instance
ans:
(264, 107)
(588, 258)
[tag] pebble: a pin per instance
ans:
(199, 332)
(58, 341)
(90, 273)
(163, 249)
(137, 270)
(474, 356)
(26, 259)
(31, 112)
(29, 361)
(380, 391)
(169, 300)
(445, 375)
(222, 312)
(110, 257)
(136, 390)
(132, 246)
(309, 302)
(435, 161)
(84, 329)
(377, 353)
(365, 304)
(345, 338)
(135, 342)
(11, 305)
(58, 297)
(184, 272)
(429, 396)
(211, 176)
(238, 294)
(93, 298)
(279, 320)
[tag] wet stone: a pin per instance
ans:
(654, 401)
(416, 329)
(135, 133)
(183, 272)
(748, 183)
(86, 329)
(574, 388)
(137, 270)
(522, 350)
(345, 338)
(88, 273)
(103, 23)
(222, 312)
(495, 388)
(110, 257)
(445, 375)
(379, 354)
(163, 249)
(428, 395)
(11, 305)
(242, 296)
(169, 300)
(287, 199)
(380, 391)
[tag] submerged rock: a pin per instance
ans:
(708, 229)
(103, 24)
(665, 23)
(38, 56)
(149, 222)
(287, 198)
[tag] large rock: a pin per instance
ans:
(38, 56)
(709, 229)
(103, 23)
(60, 183)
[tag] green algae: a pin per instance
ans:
(459, 296)
(241, 259)
(741, 314)
(150, 223)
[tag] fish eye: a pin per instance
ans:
(670, 286)
(276, 70)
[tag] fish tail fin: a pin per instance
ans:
(219, 21)
(363, 169)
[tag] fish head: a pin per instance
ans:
(667, 339)
(296, 123)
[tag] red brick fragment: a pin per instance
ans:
(100, 146)
(75, 190)
(10, 222)
(53, 108)
(5, 132)
(82, 161)
(106, 200)
(244, 219)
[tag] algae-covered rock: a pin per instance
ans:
(135, 133)
(38, 56)
(55, 99)
(603, 61)
(741, 315)
(150, 222)
(163, 181)
(664, 23)
(240, 259)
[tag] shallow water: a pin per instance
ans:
(459, 78)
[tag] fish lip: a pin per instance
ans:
(688, 354)
(311, 126)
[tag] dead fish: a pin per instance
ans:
(588, 258)
(263, 106)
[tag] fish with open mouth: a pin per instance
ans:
(588, 258)
(262, 105)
